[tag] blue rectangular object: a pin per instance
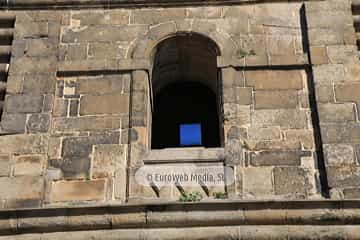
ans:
(190, 134)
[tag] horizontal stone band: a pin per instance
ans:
(36, 4)
(203, 214)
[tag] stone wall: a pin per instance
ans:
(77, 119)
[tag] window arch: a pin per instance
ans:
(186, 93)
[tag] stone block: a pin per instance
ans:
(242, 96)
(39, 83)
(323, 37)
(281, 80)
(352, 193)
(204, 12)
(318, 55)
(38, 123)
(328, 73)
(257, 181)
(288, 145)
(344, 112)
(89, 18)
(305, 137)
(120, 184)
(86, 123)
(22, 188)
(270, 133)
(62, 191)
(119, 16)
(343, 176)
(275, 99)
(325, 93)
(342, 53)
(320, 20)
(23, 143)
(339, 154)
(99, 33)
(32, 165)
(33, 65)
(107, 159)
(23, 103)
(106, 50)
(75, 52)
(74, 108)
(72, 167)
(284, 118)
(351, 69)
(347, 92)
(14, 123)
(104, 104)
(340, 133)
(236, 114)
(154, 16)
(60, 107)
(31, 29)
(82, 146)
(290, 181)
(4, 165)
(100, 85)
(276, 158)
(40, 47)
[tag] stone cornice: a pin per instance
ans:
(166, 215)
(76, 4)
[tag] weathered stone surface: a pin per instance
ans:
(290, 181)
(104, 104)
(29, 165)
(38, 123)
(31, 29)
(352, 193)
(100, 85)
(99, 33)
(318, 55)
(82, 146)
(329, 73)
(325, 93)
(21, 188)
(343, 176)
(32, 65)
(283, 118)
(14, 123)
(342, 53)
(23, 103)
(340, 133)
(60, 107)
(73, 167)
(242, 96)
(153, 16)
(231, 77)
(86, 123)
(336, 112)
(270, 133)
(23, 144)
(204, 12)
(275, 99)
(257, 181)
(4, 165)
(78, 190)
(339, 154)
(106, 51)
(236, 114)
(107, 159)
(306, 137)
(276, 158)
(347, 92)
(274, 79)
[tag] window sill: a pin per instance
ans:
(188, 155)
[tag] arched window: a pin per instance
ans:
(186, 93)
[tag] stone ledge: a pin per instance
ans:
(185, 155)
(63, 4)
(203, 214)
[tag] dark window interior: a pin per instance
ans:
(185, 90)
(184, 103)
